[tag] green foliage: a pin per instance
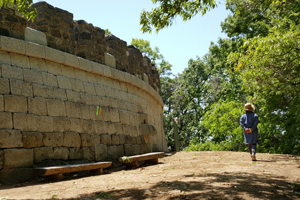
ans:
(107, 31)
(208, 97)
(163, 15)
(163, 66)
(23, 7)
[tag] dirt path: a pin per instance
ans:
(185, 175)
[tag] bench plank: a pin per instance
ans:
(46, 171)
(148, 157)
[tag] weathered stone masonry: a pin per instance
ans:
(51, 82)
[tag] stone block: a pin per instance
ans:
(114, 115)
(32, 139)
(76, 153)
(134, 140)
(84, 111)
(92, 112)
(9, 71)
(89, 88)
(81, 75)
(137, 149)
(33, 76)
(24, 122)
(19, 87)
(54, 68)
(92, 78)
(64, 82)
(123, 87)
(130, 130)
(35, 50)
(105, 139)
(119, 128)
(10, 138)
(43, 153)
(111, 92)
(56, 107)
(6, 120)
(110, 60)
(128, 139)
(61, 124)
(147, 129)
(72, 139)
(18, 60)
(72, 109)
(112, 152)
(61, 153)
(73, 96)
(85, 64)
(34, 36)
(54, 139)
(44, 123)
(68, 71)
(138, 140)
(12, 45)
(117, 74)
(5, 57)
(101, 69)
(122, 139)
(100, 90)
(88, 153)
(1, 159)
(125, 117)
(38, 64)
(86, 99)
(42, 91)
(15, 103)
(71, 60)
(16, 175)
(80, 125)
(37, 106)
(18, 158)
(77, 85)
(110, 128)
(145, 78)
(59, 94)
(54, 55)
(4, 86)
(128, 150)
(86, 140)
(100, 152)
(115, 139)
(1, 104)
(49, 79)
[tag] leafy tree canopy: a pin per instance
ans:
(167, 10)
(23, 7)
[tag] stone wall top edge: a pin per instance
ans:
(19, 47)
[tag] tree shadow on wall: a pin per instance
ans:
(209, 186)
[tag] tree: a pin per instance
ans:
(23, 6)
(163, 15)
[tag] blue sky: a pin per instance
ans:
(178, 43)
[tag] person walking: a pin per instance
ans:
(249, 122)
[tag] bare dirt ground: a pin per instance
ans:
(184, 175)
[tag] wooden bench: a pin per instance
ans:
(132, 161)
(57, 171)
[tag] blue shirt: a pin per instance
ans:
(250, 120)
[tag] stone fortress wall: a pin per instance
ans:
(54, 73)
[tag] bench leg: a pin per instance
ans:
(58, 177)
(97, 171)
(132, 164)
(153, 161)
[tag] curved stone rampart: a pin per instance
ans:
(49, 99)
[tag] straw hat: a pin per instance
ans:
(249, 107)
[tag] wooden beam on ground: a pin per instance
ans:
(96, 168)
(132, 161)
